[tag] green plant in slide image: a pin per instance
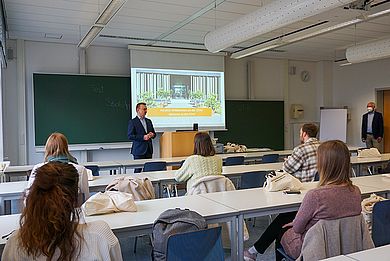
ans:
(196, 98)
(147, 97)
(213, 103)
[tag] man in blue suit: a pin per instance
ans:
(372, 127)
(141, 132)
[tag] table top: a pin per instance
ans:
(338, 258)
(381, 182)
(149, 210)
(384, 157)
(272, 202)
(12, 188)
(378, 253)
(8, 224)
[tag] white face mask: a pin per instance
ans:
(370, 109)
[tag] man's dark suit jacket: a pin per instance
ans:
(377, 125)
(136, 132)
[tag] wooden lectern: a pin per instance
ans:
(176, 144)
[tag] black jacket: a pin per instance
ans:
(377, 125)
(136, 132)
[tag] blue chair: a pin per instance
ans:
(155, 166)
(205, 245)
(94, 168)
(381, 223)
(270, 158)
(236, 160)
(253, 179)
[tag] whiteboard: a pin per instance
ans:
(333, 124)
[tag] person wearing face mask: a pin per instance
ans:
(302, 164)
(372, 127)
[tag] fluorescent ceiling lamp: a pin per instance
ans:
(274, 15)
(109, 12)
(90, 36)
(253, 50)
(260, 48)
(368, 52)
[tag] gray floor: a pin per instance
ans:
(144, 247)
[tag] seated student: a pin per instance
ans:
(56, 149)
(50, 225)
(334, 198)
(204, 162)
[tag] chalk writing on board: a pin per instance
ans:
(98, 89)
(117, 104)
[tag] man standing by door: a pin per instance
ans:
(141, 132)
(372, 127)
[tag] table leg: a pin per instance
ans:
(233, 242)
(240, 237)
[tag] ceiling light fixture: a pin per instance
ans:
(272, 16)
(369, 51)
(252, 50)
(103, 19)
(90, 36)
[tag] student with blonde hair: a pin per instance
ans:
(51, 226)
(56, 149)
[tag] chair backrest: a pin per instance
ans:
(253, 179)
(94, 168)
(334, 237)
(236, 160)
(270, 158)
(381, 223)
(155, 166)
(205, 245)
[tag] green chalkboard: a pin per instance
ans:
(88, 109)
(256, 124)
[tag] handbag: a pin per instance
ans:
(141, 189)
(280, 180)
(369, 153)
(109, 202)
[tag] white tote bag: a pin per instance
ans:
(280, 180)
(109, 202)
(369, 153)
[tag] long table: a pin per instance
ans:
(258, 202)
(121, 166)
(377, 253)
(141, 222)
(217, 207)
(14, 190)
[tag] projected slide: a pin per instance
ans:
(176, 98)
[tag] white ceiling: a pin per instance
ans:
(183, 23)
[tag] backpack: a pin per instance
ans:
(170, 222)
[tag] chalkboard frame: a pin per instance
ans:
(89, 145)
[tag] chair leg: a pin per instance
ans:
(135, 244)
(176, 194)
(369, 170)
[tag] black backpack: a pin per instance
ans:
(170, 222)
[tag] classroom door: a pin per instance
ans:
(386, 121)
